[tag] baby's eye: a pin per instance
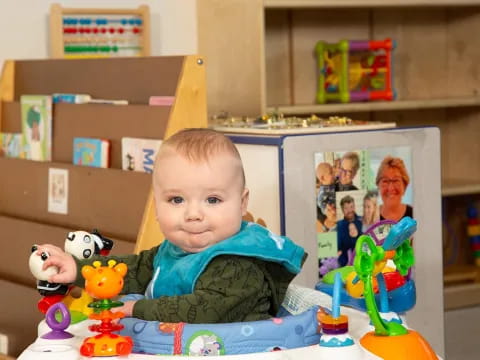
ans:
(175, 200)
(213, 200)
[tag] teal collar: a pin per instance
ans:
(176, 271)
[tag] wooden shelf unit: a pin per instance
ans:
(270, 64)
(118, 203)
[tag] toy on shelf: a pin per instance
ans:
(103, 283)
(352, 71)
(390, 339)
(473, 230)
(99, 33)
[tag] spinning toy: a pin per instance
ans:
(103, 283)
(389, 340)
(401, 293)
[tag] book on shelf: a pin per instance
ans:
(84, 99)
(161, 100)
(36, 115)
(11, 145)
(91, 152)
(139, 154)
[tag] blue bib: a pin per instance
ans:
(176, 271)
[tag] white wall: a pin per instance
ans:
(24, 32)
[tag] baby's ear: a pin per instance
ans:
(245, 197)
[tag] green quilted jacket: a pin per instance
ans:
(231, 289)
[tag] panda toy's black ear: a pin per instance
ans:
(87, 253)
(34, 248)
(71, 236)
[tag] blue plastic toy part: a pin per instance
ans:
(382, 290)
(400, 232)
(400, 300)
(154, 337)
(334, 341)
(337, 287)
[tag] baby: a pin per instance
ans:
(326, 179)
(212, 267)
(325, 174)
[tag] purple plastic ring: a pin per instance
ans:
(52, 321)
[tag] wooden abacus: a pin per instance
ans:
(99, 33)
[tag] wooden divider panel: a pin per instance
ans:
(132, 79)
(109, 199)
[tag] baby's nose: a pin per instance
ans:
(193, 212)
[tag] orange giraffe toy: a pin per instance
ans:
(103, 283)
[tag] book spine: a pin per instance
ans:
(71, 98)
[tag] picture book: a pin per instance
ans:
(11, 145)
(91, 152)
(36, 114)
(139, 154)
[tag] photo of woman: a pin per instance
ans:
(371, 210)
(392, 181)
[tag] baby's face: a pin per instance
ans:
(352, 230)
(325, 174)
(198, 204)
(327, 178)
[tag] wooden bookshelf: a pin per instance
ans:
(116, 202)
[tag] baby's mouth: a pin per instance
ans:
(195, 232)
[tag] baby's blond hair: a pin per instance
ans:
(200, 145)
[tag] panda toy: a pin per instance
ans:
(44, 287)
(80, 244)
(83, 245)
